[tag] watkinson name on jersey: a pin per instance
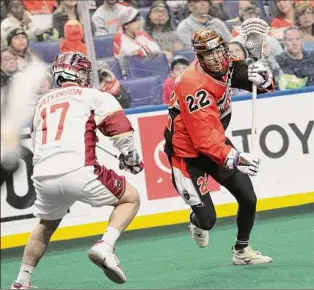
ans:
(52, 96)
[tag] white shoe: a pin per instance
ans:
(17, 285)
(102, 255)
(201, 237)
(249, 256)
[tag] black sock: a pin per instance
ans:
(193, 219)
(240, 245)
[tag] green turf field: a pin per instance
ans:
(168, 258)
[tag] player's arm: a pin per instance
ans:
(112, 122)
(243, 76)
(202, 119)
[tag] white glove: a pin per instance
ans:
(131, 162)
(260, 75)
(244, 162)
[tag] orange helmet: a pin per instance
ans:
(206, 39)
(211, 48)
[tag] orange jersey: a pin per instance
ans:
(200, 111)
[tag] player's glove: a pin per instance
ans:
(260, 75)
(244, 162)
(131, 162)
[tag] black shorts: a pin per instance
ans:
(190, 176)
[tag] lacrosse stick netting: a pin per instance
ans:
(254, 31)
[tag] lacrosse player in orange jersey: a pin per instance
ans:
(199, 114)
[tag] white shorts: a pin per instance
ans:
(56, 194)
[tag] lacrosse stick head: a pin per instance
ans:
(254, 30)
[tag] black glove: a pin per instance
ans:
(131, 162)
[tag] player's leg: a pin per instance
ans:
(190, 180)
(124, 210)
(34, 250)
(202, 219)
(241, 188)
(50, 206)
(105, 187)
(102, 253)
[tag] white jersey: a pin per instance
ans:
(64, 125)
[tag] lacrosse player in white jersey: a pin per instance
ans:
(66, 168)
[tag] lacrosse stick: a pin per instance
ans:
(22, 97)
(254, 31)
(108, 152)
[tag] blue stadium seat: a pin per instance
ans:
(114, 66)
(104, 46)
(154, 64)
(188, 54)
(144, 91)
(46, 50)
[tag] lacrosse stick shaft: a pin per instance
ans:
(254, 30)
(254, 132)
(108, 152)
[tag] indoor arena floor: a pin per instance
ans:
(168, 258)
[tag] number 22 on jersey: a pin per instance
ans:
(51, 110)
(198, 101)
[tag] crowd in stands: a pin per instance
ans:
(148, 42)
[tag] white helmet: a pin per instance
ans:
(74, 67)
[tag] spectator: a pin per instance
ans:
(133, 3)
(110, 84)
(73, 37)
(18, 16)
(19, 46)
(178, 8)
(106, 18)
(304, 1)
(132, 41)
(177, 67)
(4, 10)
(284, 17)
(40, 6)
(199, 19)
(246, 10)
(236, 49)
(250, 11)
(270, 59)
(297, 65)
(8, 68)
(216, 8)
(92, 4)
(158, 26)
(67, 10)
(304, 18)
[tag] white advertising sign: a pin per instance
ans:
(286, 148)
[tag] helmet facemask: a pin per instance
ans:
(73, 67)
(215, 62)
